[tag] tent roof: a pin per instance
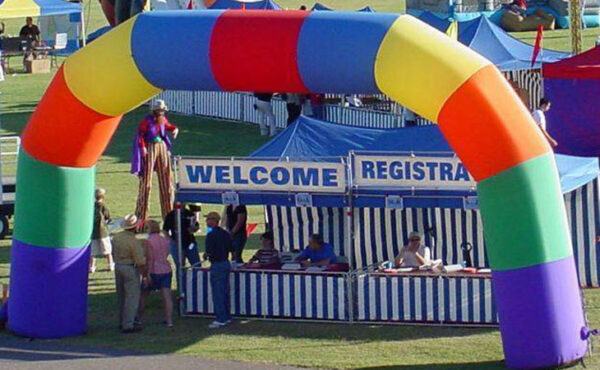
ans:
(35, 8)
(491, 41)
(313, 138)
(585, 66)
(233, 4)
(319, 6)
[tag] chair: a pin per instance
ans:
(60, 43)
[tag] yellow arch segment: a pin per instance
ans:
(103, 75)
(412, 66)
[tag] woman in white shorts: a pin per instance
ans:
(101, 245)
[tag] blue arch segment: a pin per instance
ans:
(337, 50)
(180, 63)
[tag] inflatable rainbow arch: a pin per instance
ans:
(542, 322)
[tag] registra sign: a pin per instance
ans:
(381, 171)
(221, 174)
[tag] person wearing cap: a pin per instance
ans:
(130, 265)
(101, 245)
(190, 224)
(151, 152)
(217, 248)
(414, 254)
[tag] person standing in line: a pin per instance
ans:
(130, 264)
(539, 116)
(101, 245)
(159, 269)
(235, 222)
(151, 152)
(190, 224)
(218, 246)
(265, 109)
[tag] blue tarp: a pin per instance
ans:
(313, 138)
(232, 4)
(319, 6)
(491, 41)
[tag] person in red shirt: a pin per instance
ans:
(151, 152)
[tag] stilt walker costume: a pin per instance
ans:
(151, 151)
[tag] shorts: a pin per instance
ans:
(159, 281)
(101, 247)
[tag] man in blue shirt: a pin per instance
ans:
(318, 253)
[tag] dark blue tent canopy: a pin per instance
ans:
(313, 138)
(319, 6)
(232, 4)
(491, 41)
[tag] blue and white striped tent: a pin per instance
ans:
(373, 235)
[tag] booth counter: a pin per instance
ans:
(425, 298)
(273, 294)
(457, 299)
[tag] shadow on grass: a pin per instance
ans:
(438, 366)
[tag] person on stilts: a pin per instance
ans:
(151, 152)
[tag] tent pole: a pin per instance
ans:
(83, 30)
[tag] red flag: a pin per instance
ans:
(538, 44)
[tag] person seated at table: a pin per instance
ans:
(414, 254)
(30, 31)
(317, 253)
(267, 254)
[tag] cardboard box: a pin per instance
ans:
(37, 66)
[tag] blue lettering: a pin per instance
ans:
(418, 170)
(280, 176)
(446, 172)
(330, 177)
(461, 173)
(381, 169)
(254, 172)
(368, 170)
(407, 170)
(305, 176)
(222, 174)
(431, 166)
(237, 176)
(199, 174)
(396, 170)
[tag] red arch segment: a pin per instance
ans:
(63, 130)
(253, 51)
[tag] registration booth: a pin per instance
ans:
(279, 182)
(397, 181)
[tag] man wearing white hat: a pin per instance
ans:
(151, 152)
(130, 265)
(414, 254)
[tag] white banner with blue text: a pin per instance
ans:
(406, 171)
(238, 175)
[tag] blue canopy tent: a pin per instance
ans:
(491, 41)
(232, 4)
(319, 6)
(379, 232)
(55, 16)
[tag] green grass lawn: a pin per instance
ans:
(303, 344)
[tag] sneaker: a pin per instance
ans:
(92, 269)
(217, 324)
(111, 267)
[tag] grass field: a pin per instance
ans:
(318, 345)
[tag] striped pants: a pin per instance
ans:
(158, 159)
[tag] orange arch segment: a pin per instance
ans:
(508, 137)
(64, 132)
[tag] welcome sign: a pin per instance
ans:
(222, 174)
(408, 171)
